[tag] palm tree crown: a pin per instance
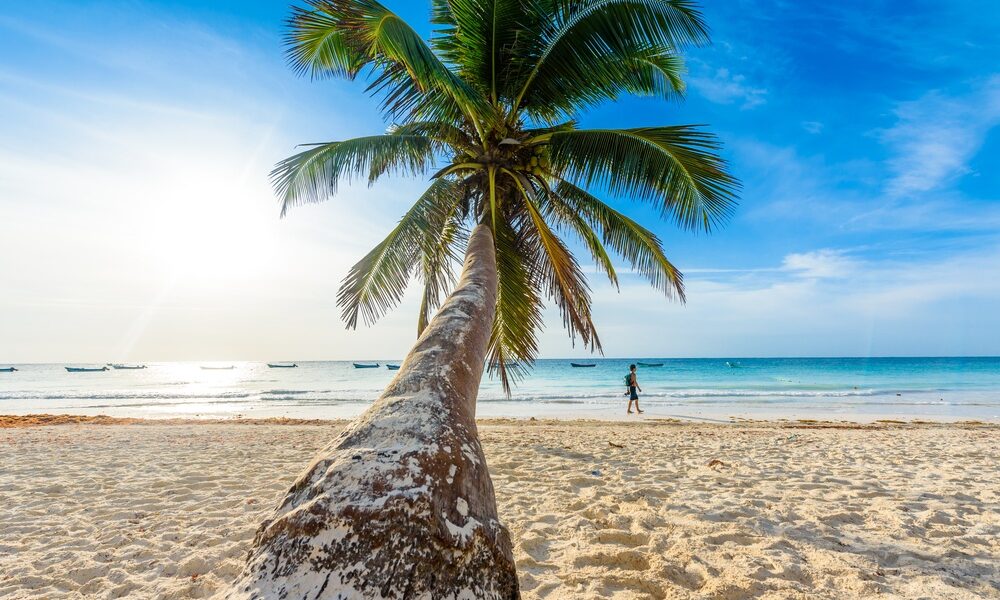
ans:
(487, 107)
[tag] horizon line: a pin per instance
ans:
(568, 358)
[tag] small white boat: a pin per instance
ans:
(229, 368)
(128, 367)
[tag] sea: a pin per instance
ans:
(705, 389)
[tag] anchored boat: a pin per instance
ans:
(582, 365)
(642, 364)
(229, 368)
(128, 367)
(7, 370)
(85, 369)
(277, 366)
(365, 366)
(392, 367)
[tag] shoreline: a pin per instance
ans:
(827, 389)
(55, 420)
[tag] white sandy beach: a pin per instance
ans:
(154, 510)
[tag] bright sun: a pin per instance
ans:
(210, 234)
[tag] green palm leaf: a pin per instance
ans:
(377, 282)
(481, 37)
(487, 108)
(676, 168)
(567, 284)
(633, 242)
(441, 132)
(570, 217)
(313, 175)
(588, 53)
(440, 252)
(319, 47)
(340, 37)
(518, 318)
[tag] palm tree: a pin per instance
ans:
(401, 505)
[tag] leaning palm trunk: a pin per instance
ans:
(401, 504)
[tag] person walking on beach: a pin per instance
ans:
(633, 385)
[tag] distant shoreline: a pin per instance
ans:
(50, 420)
(566, 359)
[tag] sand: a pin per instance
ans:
(153, 510)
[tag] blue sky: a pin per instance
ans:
(137, 221)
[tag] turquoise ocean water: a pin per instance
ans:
(709, 389)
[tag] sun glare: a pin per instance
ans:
(209, 234)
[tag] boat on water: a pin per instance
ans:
(279, 366)
(392, 367)
(642, 364)
(229, 368)
(7, 370)
(85, 369)
(127, 367)
(582, 365)
(366, 366)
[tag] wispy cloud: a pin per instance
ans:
(813, 127)
(724, 87)
(930, 145)
(936, 135)
(820, 264)
(819, 302)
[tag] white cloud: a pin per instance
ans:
(724, 87)
(819, 264)
(823, 302)
(936, 135)
(791, 186)
(813, 127)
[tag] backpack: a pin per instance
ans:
(628, 380)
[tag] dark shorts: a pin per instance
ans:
(632, 394)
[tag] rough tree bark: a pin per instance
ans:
(401, 505)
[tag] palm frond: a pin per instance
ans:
(440, 252)
(313, 175)
(676, 168)
(588, 53)
(487, 108)
(547, 130)
(483, 39)
(341, 37)
(567, 285)
(570, 217)
(606, 76)
(658, 75)
(319, 47)
(439, 131)
(633, 242)
(518, 317)
(377, 282)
